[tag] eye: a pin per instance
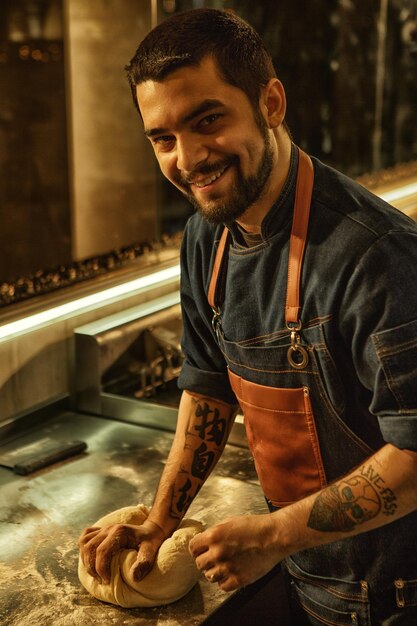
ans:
(209, 120)
(163, 142)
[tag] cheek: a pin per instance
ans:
(246, 149)
(167, 168)
(226, 145)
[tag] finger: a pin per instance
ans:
(87, 535)
(88, 554)
(144, 562)
(104, 554)
(89, 559)
(203, 565)
(198, 545)
(215, 576)
(90, 529)
(229, 584)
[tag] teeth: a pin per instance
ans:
(210, 179)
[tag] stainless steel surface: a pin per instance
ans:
(116, 343)
(41, 516)
(144, 414)
(117, 347)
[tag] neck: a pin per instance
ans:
(251, 220)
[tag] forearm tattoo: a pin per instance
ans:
(352, 502)
(205, 439)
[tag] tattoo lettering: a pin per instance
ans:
(205, 437)
(202, 463)
(185, 497)
(210, 430)
(389, 499)
(351, 502)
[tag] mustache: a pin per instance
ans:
(204, 170)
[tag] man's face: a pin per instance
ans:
(207, 141)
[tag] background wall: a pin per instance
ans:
(113, 170)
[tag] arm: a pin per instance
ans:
(203, 427)
(242, 550)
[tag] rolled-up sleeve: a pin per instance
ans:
(381, 318)
(395, 397)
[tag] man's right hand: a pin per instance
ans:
(202, 422)
(98, 545)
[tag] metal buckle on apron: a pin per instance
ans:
(297, 355)
(215, 322)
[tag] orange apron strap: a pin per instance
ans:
(303, 191)
(213, 293)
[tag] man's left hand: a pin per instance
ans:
(236, 552)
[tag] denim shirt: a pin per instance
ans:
(358, 297)
(359, 327)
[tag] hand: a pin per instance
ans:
(236, 552)
(98, 545)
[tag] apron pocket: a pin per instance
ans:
(329, 600)
(283, 440)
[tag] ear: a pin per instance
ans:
(273, 102)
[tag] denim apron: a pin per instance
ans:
(300, 444)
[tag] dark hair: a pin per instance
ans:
(186, 38)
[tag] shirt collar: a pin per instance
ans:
(282, 209)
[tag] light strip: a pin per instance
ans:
(91, 302)
(106, 296)
(130, 315)
(399, 194)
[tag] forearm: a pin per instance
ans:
(381, 490)
(242, 549)
(203, 427)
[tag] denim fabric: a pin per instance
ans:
(358, 293)
(359, 322)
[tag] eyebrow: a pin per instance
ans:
(203, 107)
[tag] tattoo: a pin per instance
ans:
(203, 461)
(352, 502)
(185, 498)
(211, 430)
(205, 438)
(389, 499)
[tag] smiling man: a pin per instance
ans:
(216, 151)
(299, 299)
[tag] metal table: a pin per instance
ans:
(42, 514)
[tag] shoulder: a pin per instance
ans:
(343, 208)
(199, 243)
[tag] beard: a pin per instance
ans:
(243, 194)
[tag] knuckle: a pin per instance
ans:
(101, 550)
(119, 528)
(83, 538)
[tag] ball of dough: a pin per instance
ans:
(172, 576)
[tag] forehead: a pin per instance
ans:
(182, 91)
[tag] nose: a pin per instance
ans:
(191, 153)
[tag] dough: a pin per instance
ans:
(172, 576)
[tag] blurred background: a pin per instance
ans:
(77, 178)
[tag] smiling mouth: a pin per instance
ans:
(208, 180)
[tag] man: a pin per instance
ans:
(303, 311)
